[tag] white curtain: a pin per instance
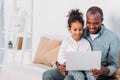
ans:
(1, 34)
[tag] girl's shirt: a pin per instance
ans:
(69, 44)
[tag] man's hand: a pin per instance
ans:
(97, 72)
(62, 69)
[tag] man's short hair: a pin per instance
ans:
(95, 9)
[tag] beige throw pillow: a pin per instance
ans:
(47, 51)
(50, 57)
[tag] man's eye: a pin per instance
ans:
(75, 29)
(96, 23)
(88, 22)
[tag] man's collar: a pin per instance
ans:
(102, 28)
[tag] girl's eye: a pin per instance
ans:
(80, 29)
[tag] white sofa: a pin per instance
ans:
(23, 71)
(27, 71)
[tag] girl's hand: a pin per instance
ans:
(62, 69)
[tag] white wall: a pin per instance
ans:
(1, 26)
(1, 35)
(49, 16)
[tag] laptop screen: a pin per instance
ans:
(84, 60)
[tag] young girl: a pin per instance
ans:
(74, 43)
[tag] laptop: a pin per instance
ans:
(83, 60)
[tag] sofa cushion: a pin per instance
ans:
(23, 71)
(50, 57)
(47, 51)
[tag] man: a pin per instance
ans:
(100, 39)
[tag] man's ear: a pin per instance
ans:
(102, 19)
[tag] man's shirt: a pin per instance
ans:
(109, 44)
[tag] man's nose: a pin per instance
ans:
(92, 26)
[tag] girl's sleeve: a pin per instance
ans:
(61, 54)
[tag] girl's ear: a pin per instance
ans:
(69, 29)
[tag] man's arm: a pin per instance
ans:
(113, 56)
